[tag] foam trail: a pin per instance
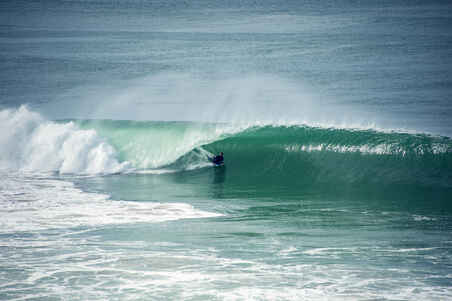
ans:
(29, 142)
(30, 203)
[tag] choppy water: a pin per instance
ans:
(333, 117)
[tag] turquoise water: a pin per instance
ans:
(334, 118)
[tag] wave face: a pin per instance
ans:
(302, 154)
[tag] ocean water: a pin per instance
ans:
(334, 117)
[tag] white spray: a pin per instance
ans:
(29, 142)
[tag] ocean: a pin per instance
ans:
(335, 122)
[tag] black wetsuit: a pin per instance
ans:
(218, 159)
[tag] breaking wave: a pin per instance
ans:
(290, 154)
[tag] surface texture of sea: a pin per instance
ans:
(334, 118)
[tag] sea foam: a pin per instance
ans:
(32, 143)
